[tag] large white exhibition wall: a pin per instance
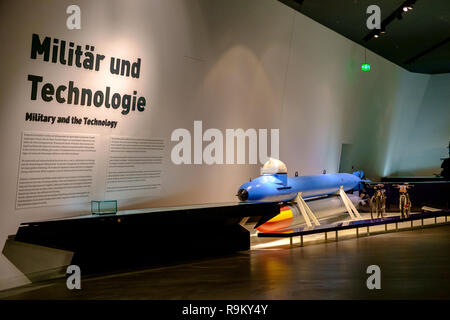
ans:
(421, 132)
(230, 64)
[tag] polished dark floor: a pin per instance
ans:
(414, 265)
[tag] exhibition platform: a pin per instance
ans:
(414, 265)
(424, 191)
(357, 225)
(135, 238)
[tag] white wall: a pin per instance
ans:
(231, 64)
(423, 131)
(330, 101)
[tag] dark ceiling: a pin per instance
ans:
(419, 42)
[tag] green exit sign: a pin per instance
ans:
(365, 67)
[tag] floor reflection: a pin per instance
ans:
(414, 265)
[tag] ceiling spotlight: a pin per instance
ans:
(405, 9)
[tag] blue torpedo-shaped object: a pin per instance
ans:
(275, 186)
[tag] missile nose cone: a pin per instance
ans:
(242, 195)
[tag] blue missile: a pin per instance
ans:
(274, 185)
